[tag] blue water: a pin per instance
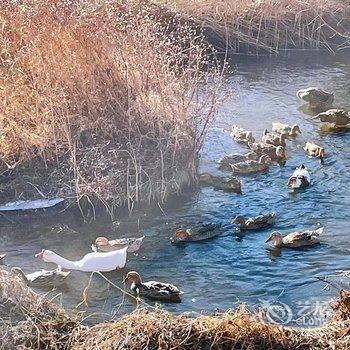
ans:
(232, 268)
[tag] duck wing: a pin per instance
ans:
(260, 220)
(160, 288)
(302, 238)
(206, 231)
(46, 278)
(121, 242)
(320, 95)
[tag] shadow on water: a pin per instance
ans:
(233, 266)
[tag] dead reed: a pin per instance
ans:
(101, 100)
(269, 26)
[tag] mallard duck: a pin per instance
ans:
(334, 116)
(231, 184)
(104, 245)
(300, 178)
(226, 161)
(295, 239)
(152, 289)
(291, 131)
(91, 262)
(43, 278)
(252, 166)
(240, 135)
(206, 231)
(254, 223)
(274, 139)
(276, 153)
(315, 151)
(316, 97)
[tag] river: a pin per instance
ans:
(233, 268)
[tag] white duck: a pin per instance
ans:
(96, 261)
(300, 178)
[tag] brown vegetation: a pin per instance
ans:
(269, 26)
(100, 100)
(30, 320)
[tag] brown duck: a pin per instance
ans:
(204, 232)
(256, 222)
(230, 184)
(316, 97)
(152, 289)
(295, 239)
(334, 116)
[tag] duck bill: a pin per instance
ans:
(40, 255)
(268, 240)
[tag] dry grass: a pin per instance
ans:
(269, 26)
(238, 329)
(100, 100)
(32, 321)
(29, 320)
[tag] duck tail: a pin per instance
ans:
(319, 231)
(135, 246)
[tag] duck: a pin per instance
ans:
(291, 131)
(104, 245)
(315, 151)
(240, 135)
(300, 178)
(276, 153)
(204, 232)
(274, 139)
(152, 289)
(226, 161)
(316, 97)
(254, 223)
(295, 239)
(252, 166)
(43, 278)
(96, 261)
(230, 184)
(334, 116)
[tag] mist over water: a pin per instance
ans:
(233, 267)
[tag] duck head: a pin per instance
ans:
(281, 155)
(238, 220)
(294, 182)
(276, 238)
(305, 94)
(133, 277)
(295, 129)
(101, 242)
(179, 236)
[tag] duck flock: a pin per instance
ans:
(109, 255)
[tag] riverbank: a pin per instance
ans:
(268, 27)
(31, 320)
(101, 103)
